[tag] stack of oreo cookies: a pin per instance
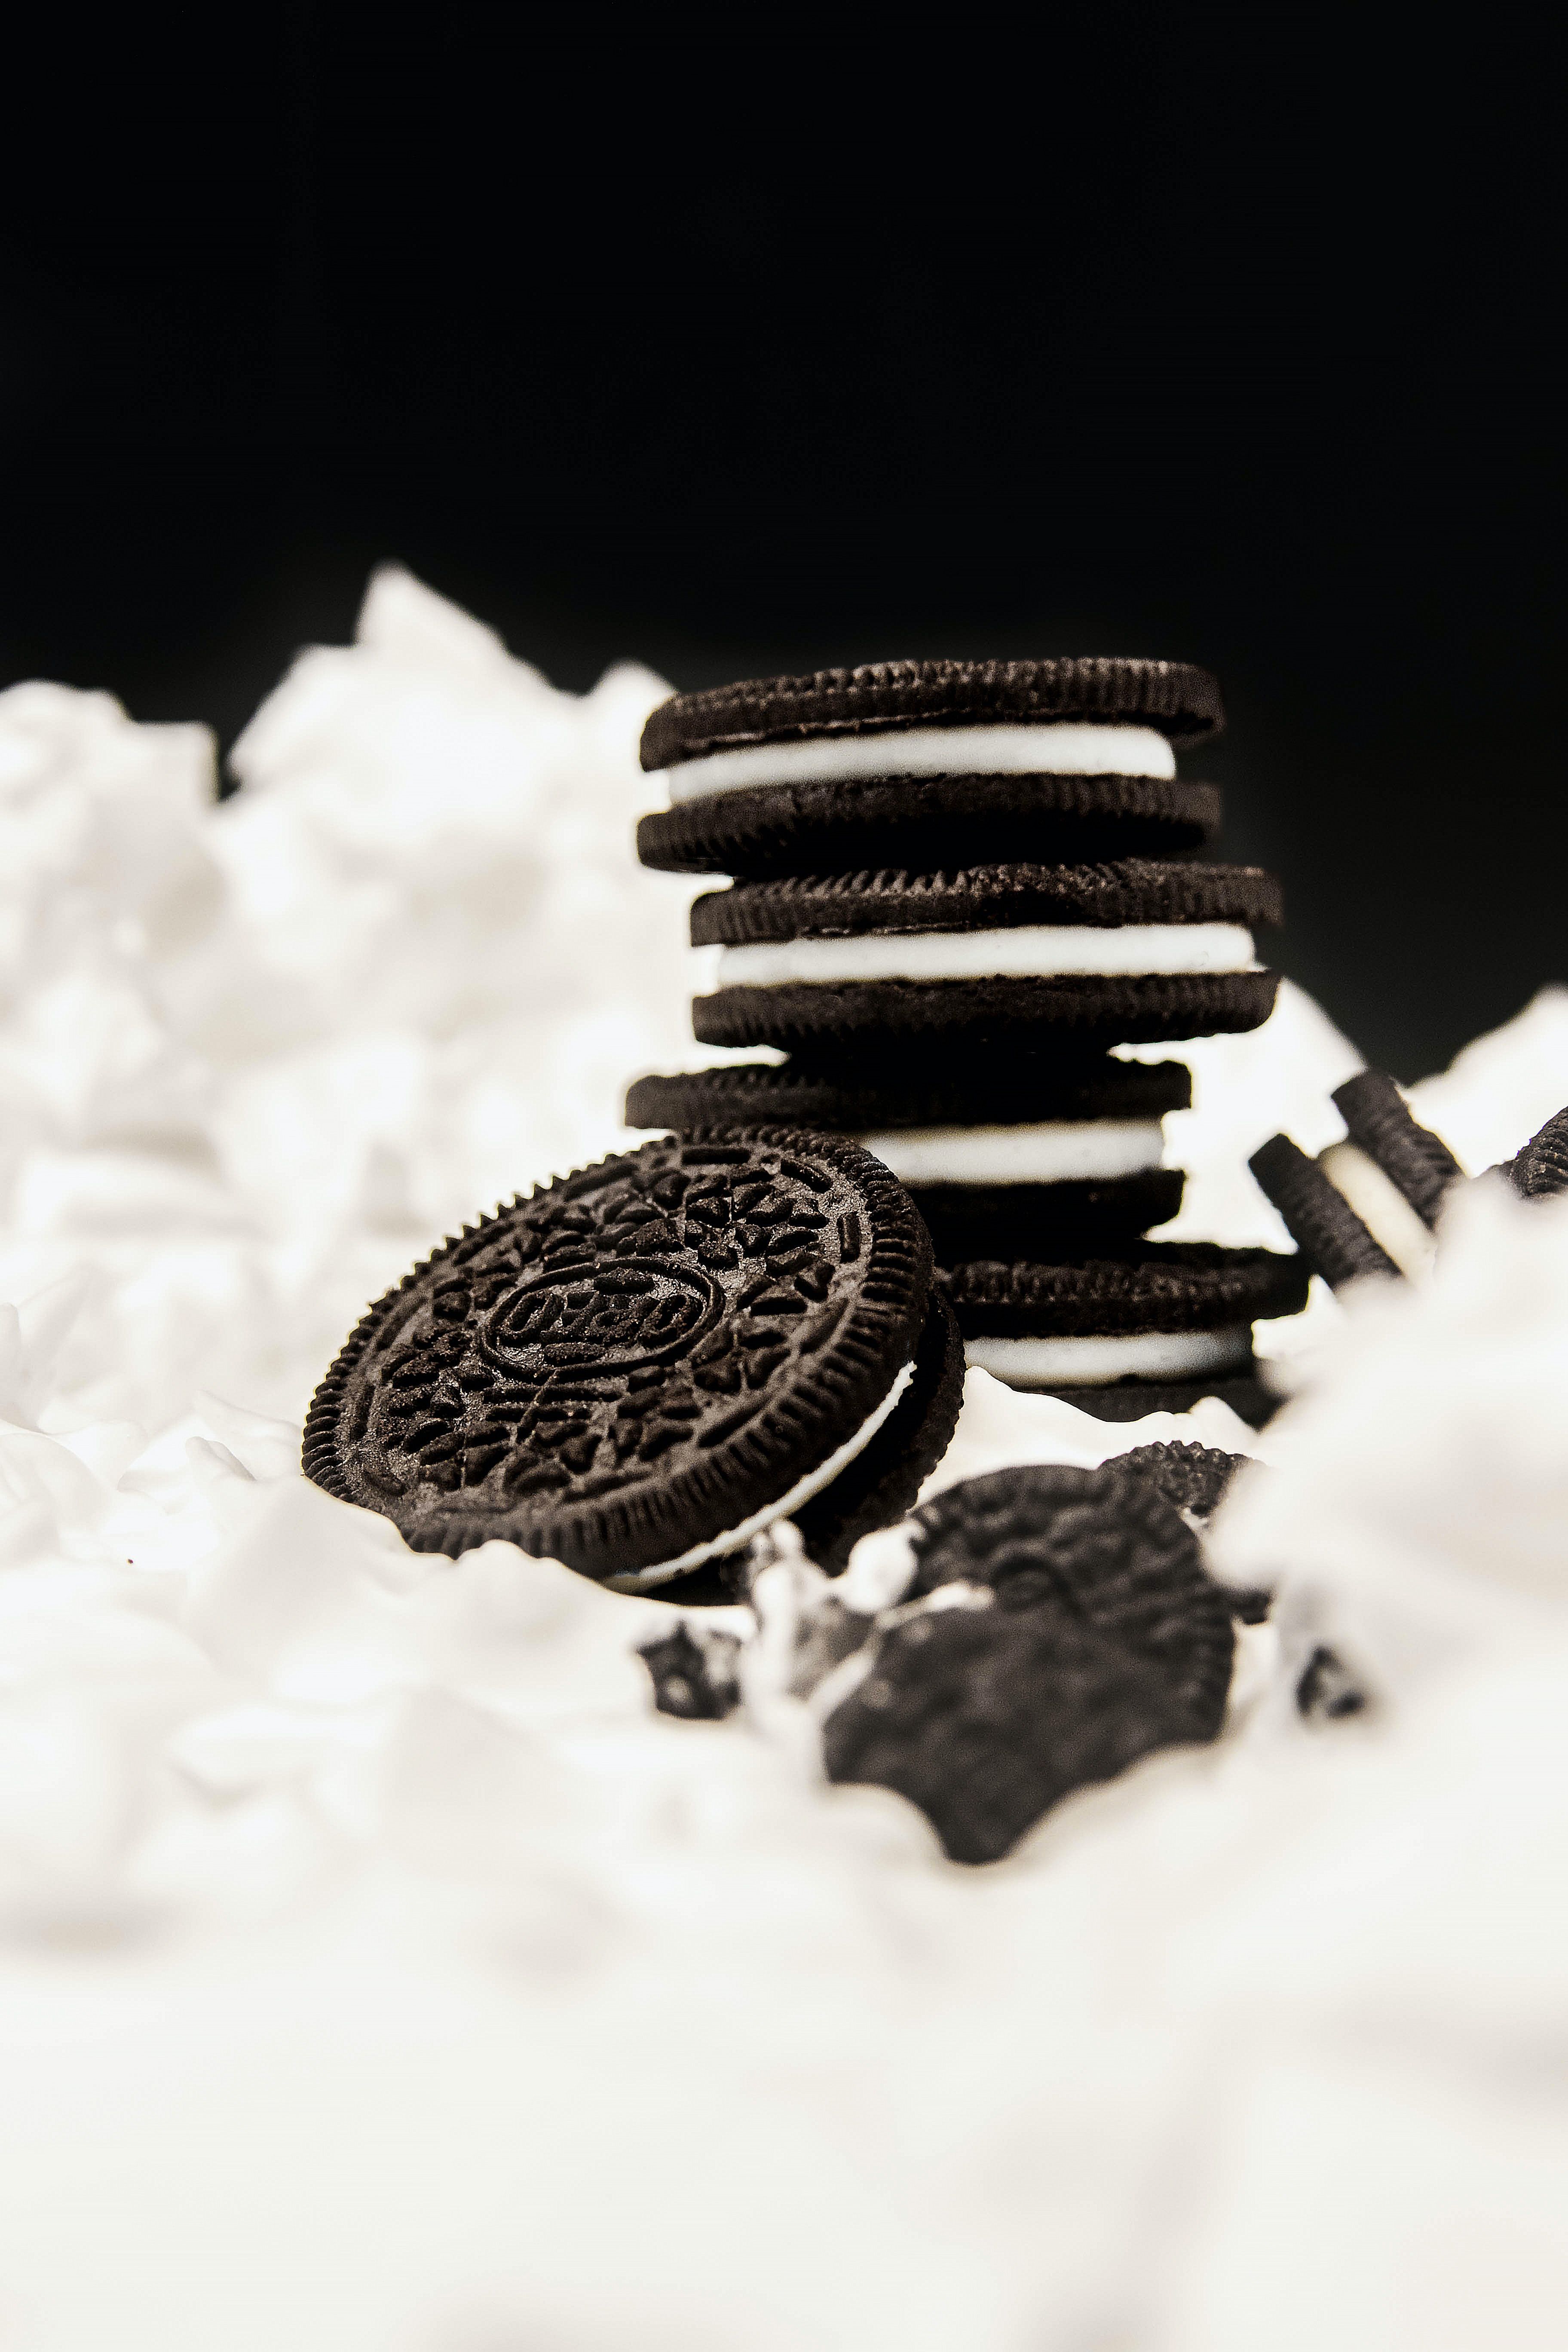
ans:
(957, 885)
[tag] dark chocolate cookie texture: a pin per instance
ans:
(637, 1363)
(1087, 1636)
(880, 698)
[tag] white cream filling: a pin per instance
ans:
(643, 1580)
(1060, 748)
(1053, 1152)
(1381, 1206)
(1096, 1357)
(1030, 951)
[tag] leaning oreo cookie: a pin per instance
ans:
(640, 1366)
(997, 1150)
(1124, 953)
(1367, 1205)
(1148, 1328)
(1082, 1634)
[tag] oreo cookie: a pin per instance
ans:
(999, 1151)
(1541, 1170)
(1368, 1205)
(1081, 1634)
(1151, 1327)
(1175, 700)
(929, 764)
(1127, 951)
(639, 1367)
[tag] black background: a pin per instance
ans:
(778, 343)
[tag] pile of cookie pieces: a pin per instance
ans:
(957, 885)
(1020, 1636)
(719, 1366)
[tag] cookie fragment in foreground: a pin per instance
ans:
(1063, 1627)
(693, 1675)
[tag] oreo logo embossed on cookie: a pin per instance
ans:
(639, 1367)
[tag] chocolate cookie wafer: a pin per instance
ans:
(1147, 1329)
(1125, 952)
(639, 1366)
(929, 764)
(1001, 1152)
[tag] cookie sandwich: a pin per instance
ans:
(931, 764)
(1091, 955)
(996, 1149)
(1149, 1327)
(1370, 1205)
(638, 1368)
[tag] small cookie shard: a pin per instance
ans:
(638, 1366)
(693, 1679)
(1326, 1691)
(1103, 1640)
(1127, 951)
(1541, 1170)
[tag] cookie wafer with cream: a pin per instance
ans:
(1001, 1153)
(1124, 953)
(1150, 1328)
(1368, 1205)
(928, 764)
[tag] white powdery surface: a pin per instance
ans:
(379, 1974)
